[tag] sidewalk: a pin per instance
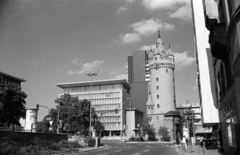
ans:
(197, 150)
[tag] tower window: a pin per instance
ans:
(157, 87)
(155, 58)
(157, 117)
(157, 96)
(167, 70)
(158, 105)
(156, 79)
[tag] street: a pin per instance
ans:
(135, 149)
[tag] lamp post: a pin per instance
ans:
(91, 74)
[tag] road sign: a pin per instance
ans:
(48, 118)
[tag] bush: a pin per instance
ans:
(55, 146)
(131, 139)
(8, 147)
(137, 139)
(166, 138)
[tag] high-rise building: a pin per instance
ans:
(138, 77)
(161, 93)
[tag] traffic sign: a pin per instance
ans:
(48, 118)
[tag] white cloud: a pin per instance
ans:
(122, 76)
(122, 8)
(129, 1)
(87, 67)
(148, 47)
(182, 60)
(75, 61)
(113, 72)
(166, 4)
(183, 12)
(130, 38)
(144, 28)
(195, 87)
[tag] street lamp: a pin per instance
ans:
(91, 74)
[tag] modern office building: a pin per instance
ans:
(108, 97)
(222, 20)
(138, 77)
(205, 74)
(6, 79)
(161, 93)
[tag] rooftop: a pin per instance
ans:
(94, 83)
(16, 78)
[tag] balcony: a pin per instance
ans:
(218, 40)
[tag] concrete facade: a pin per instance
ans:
(6, 79)
(222, 18)
(108, 97)
(161, 93)
(205, 76)
(134, 120)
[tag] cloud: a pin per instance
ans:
(113, 72)
(121, 9)
(144, 28)
(75, 61)
(182, 60)
(148, 47)
(130, 38)
(184, 13)
(165, 4)
(129, 1)
(122, 76)
(87, 67)
(195, 87)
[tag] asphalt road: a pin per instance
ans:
(136, 149)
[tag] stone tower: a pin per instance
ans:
(161, 88)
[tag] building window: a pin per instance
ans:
(158, 106)
(156, 79)
(157, 117)
(155, 58)
(157, 96)
(157, 87)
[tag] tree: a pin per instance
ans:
(163, 131)
(190, 119)
(75, 113)
(98, 126)
(13, 103)
(150, 130)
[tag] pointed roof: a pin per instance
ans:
(159, 36)
(150, 55)
(150, 101)
(159, 46)
(169, 50)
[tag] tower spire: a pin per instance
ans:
(159, 36)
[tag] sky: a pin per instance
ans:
(47, 42)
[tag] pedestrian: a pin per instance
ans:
(184, 143)
(201, 143)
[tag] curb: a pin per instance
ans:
(89, 150)
(150, 142)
